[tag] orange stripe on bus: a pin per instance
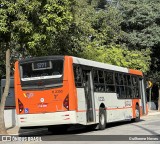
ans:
(106, 109)
(117, 108)
(86, 110)
(81, 110)
(136, 72)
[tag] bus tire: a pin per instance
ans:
(137, 112)
(102, 119)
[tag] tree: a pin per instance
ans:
(30, 28)
(120, 56)
(5, 94)
(105, 21)
(141, 24)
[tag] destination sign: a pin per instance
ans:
(41, 65)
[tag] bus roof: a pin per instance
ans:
(86, 62)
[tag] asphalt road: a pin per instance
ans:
(117, 133)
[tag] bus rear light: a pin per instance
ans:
(66, 102)
(20, 105)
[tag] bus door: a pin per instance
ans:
(142, 94)
(88, 88)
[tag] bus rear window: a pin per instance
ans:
(41, 70)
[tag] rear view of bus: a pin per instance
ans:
(42, 91)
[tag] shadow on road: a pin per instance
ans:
(71, 131)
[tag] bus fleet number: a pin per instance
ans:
(101, 99)
(41, 65)
(58, 91)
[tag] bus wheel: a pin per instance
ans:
(137, 112)
(102, 119)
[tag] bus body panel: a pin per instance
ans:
(134, 103)
(46, 107)
(71, 85)
(116, 109)
(43, 103)
(136, 72)
(81, 111)
(45, 119)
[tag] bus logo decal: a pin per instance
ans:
(55, 96)
(28, 95)
(24, 95)
(26, 110)
(41, 99)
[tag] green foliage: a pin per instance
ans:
(32, 27)
(105, 24)
(141, 23)
(84, 28)
(119, 56)
(33, 24)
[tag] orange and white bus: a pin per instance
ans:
(66, 90)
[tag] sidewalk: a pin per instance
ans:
(153, 112)
(13, 130)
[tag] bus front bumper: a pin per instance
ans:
(45, 119)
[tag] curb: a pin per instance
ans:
(155, 113)
(13, 131)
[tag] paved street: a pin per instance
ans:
(149, 125)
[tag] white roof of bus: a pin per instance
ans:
(86, 62)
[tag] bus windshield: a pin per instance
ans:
(41, 70)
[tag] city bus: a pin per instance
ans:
(65, 91)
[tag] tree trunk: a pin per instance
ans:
(5, 94)
(159, 100)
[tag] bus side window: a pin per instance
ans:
(78, 76)
(116, 78)
(128, 86)
(98, 79)
(101, 81)
(120, 85)
(117, 83)
(95, 80)
(135, 87)
(101, 77)
(95, 76)
(109, 81)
